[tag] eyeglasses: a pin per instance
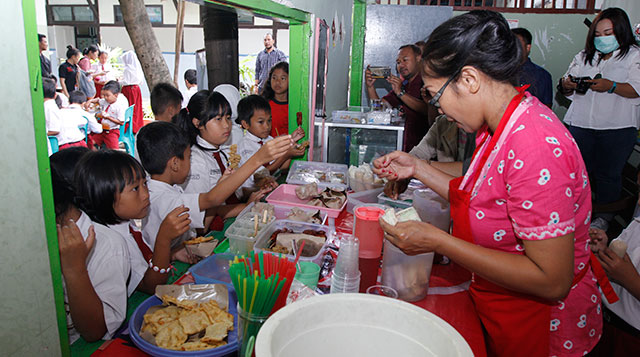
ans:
(435, 101)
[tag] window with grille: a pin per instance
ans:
(539, 6)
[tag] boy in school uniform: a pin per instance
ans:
(166, 101)
(113, 105)
(254, 113)
(73, 119)
(52, 115)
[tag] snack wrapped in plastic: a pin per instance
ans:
(300, 215)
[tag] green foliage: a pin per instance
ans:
(246, 76)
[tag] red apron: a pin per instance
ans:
(515, 323)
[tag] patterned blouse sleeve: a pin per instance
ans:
(543, 185)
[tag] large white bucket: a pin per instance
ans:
(357, 325)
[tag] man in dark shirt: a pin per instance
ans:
(538, 78)
(45, 63)
(406, 95)
(267, 58)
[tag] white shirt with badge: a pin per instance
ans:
(165, 198)
(52, 116)
(603, 110)
(115, 110)
(138, 265)
(628, 307)
(249, 145)
(108, 265)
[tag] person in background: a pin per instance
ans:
(621, 332)
(191, 81)
(266, 60)
(102, 72)
(232, 95)
(406, 95)
(521, 212)
(52, 114)
(112, 187)
(538, 79)
(604, 119)
(68, 71)
(45, 63)
(75, 117)
(89, 54)
(95, 269)
(131, 79)
(276, 91)
(113, 105)
(166, 101)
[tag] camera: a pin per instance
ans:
(582, 86)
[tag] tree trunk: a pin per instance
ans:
(221, 45)
(180, 7)
(144, 42)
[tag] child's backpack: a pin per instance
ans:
(85, 84)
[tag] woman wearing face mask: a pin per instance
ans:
(605, 120)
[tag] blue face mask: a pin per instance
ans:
(606, 44)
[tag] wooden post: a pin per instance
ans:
(221, 45)
(179, 30)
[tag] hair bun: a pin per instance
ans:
(69, 47)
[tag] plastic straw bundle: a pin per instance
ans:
(262, 283)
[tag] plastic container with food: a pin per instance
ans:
(243, 232)
(322, 173)
(262, 244)
(285, 195)
(284, 211)
(358, 198)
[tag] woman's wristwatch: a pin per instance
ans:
(613, 88)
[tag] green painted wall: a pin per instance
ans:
(28, 325)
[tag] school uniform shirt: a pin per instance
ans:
(115, 110)
(249, 145)
(136, 260)
(186, 95)
(52, 116)
(603, 110)
(237, 133)
(165, 198)
(108, 267)
(628, 307)
(99, 67)
(74, 118)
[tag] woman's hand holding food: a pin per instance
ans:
(413, 237)
(397, 165)
(393, 189)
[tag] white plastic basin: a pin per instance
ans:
(357, 325)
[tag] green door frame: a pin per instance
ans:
(44, 171)
(357, 52)
(299, 45)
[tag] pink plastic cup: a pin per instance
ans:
(367, 229)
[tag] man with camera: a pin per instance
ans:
(405, 94)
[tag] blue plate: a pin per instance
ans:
(135, 323)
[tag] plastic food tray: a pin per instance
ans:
(402, 204)
(357, 198)
(281, 211)
(296, 227)
(285, 195)
(135, 323)
(305, 172)
(241, 233)
(213, 269)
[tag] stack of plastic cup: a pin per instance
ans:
(346, 275)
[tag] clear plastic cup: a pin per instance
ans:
(342, 284)
(367, 229)
(382, 290)
(308, 274)
(347, 264)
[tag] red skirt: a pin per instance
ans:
(133, 95)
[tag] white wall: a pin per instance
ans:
(339, 55)
(28, 325)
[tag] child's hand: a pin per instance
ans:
(297, 134)
(74, 250)
(273, 149)
(296, 150)
(598, 239)
(183, 255)
(620, 270)
(257, 195)
(175, 224)
(228, 172)
(269, 184)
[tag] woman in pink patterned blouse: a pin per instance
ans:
(521, 213)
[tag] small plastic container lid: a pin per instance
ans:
(368, 213)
